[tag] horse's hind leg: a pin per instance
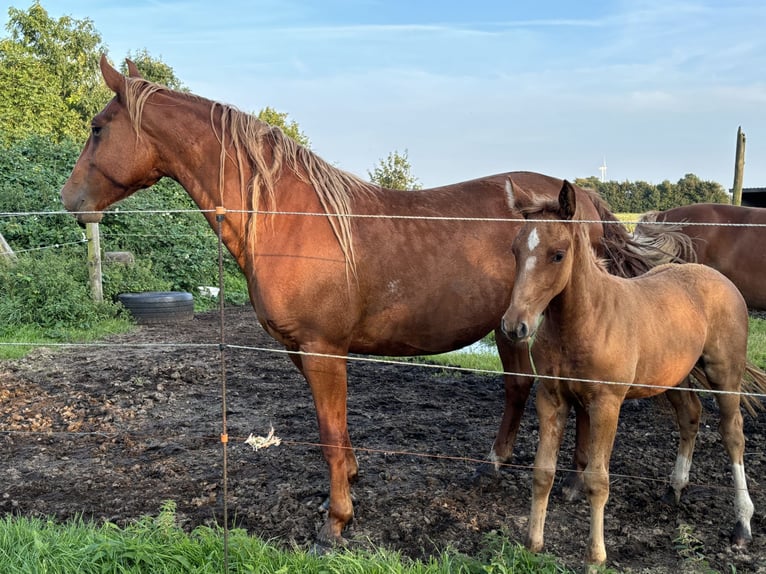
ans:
(723, 376)
(733, 437)
(688, 410)
(515, 359)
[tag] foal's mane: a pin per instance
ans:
(267, 151)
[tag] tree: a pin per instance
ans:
(50, 66)
(29, 101)
(154, 70)
(639, 196)
(280, 119)
(394, 172)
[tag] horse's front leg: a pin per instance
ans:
(515, 359)
(327, 378)
(552, 411)
(352, 467)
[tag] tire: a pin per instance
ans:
(159, 306)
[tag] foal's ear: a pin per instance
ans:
(567, 200)
(514, 195)
(132, 69)
(114, 80)
(510, 195)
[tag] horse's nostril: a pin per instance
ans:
(522, 330)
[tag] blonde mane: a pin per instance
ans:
(267, 151)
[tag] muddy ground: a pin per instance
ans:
(110, 432)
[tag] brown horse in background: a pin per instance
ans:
(729, 238)
(645, 335)
(334, 265)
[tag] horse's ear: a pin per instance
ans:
(567, 200)
(133, 69)
(114, 80)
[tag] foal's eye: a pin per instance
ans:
(557, 257)
(95, 130)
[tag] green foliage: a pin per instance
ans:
(394, 172)
(51, 291)
(49, 74)
(640, 196)
(154, 70)
(280, 119)
(134, 278)
(32, 171)
(164, 226)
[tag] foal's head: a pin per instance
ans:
(544, 254)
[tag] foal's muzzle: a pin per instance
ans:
(517, 332)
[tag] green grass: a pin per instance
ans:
(157, 545)
(756, 343)
(37, 336)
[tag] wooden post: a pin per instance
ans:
(6, 253)
(94, 261)
(739, 168)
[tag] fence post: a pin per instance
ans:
(739, 168)
(94, 261)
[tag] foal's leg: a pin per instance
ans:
(604, 411)
(688, 410)
(552, 411)
(515, 359)
(733, 437)
(352, 466)
(327, 378)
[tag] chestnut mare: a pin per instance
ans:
(734, 250)
(646, 333)
(324, 280)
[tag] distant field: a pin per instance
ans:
(628, 217)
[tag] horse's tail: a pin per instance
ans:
(624, 255)
(662, 242)
(753, 383)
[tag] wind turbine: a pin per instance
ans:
(602, 169)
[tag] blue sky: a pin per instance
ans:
(469, 88)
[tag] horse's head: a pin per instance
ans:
(115, 161)
(543, 252)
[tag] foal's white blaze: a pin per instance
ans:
(533, 240)
(743, 506)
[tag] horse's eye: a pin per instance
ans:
(95, 130)
(557, 257)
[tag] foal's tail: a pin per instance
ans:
(662, 242)
(753, 384)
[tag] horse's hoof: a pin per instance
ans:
(484, 471)
(741, 535)
(671, 498)
(320, 549)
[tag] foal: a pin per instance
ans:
(646, 333)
